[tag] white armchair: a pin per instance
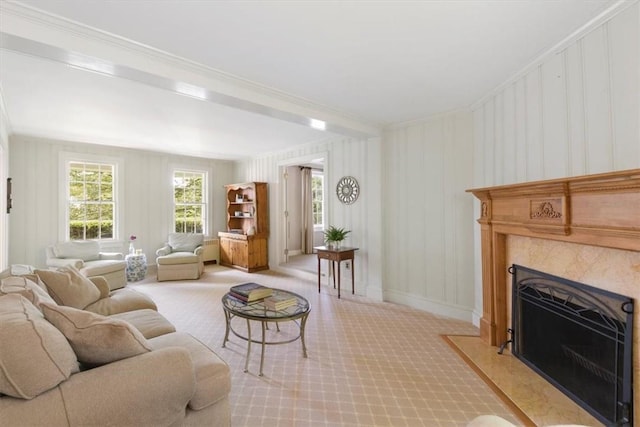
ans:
(85, 255)
(181, 257)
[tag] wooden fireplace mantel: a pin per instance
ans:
(599, 210)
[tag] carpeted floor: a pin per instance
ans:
(369, 363)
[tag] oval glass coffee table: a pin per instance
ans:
(257, 311)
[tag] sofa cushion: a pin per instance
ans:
(68, 286)
(120, 301)
(96, 339)
(185, 242)
(149, 322)
(34, 355)
(213, 378)
(86, 250)
(102, 267)
(178, 258)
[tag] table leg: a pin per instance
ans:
(263, 343)
(353, 282)
(303, 323)
(246, 363)
(338, 279)
(333, 273)
(318, 273)
(227, 317)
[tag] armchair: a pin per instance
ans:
(85, 255)
(181, 257)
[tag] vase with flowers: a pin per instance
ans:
(132, 250)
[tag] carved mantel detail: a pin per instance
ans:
(544, 210)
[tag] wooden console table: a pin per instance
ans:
(333, 255)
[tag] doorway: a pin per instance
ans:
(303, 212)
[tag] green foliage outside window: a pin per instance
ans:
(317, 199)
(189, 202)
(91, 206)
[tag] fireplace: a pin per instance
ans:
(585, 229)
(578, 337)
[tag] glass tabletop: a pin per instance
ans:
(258, 311)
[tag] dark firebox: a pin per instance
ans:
(579, 338)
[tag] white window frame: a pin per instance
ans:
(319, 173)
(205, 195)
(118, 171)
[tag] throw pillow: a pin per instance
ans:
(25, 287)
(96, 339)
(68, 286)
(34, 355)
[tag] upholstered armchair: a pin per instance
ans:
(85, 255)
(181, 257)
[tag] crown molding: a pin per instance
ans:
(27, 22)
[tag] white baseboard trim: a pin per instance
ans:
(295, 252)
(435, 307)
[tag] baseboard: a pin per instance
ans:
(435, 307)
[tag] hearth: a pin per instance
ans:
(579, 338)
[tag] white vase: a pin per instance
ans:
(132, 250)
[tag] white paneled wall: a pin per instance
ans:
(428, 235)
(4, 174)
(343, 156)
(147, 179)
(573, 113)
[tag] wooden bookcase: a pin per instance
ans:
(245, 243)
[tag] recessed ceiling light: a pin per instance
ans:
(318, 124)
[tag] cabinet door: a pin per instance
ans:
(258, 253)
(226, 255)
(240, 254)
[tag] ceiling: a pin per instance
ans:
(356, 65)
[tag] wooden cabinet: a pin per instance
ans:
(245, 243)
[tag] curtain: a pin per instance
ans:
(307, 211)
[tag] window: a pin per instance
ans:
(317, 198)
(91, 204)
(190, 202)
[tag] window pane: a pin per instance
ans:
(76, 191)
(189, 201)
(317, 199)
(93, 192)
(90, 185)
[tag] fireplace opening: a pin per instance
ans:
(579, 338)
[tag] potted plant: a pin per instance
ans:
(334, 235)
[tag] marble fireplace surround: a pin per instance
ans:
(585, 229)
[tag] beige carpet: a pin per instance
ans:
(369, 364)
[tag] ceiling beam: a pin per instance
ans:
(31, 32)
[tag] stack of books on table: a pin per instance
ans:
(250, 292)
(279, 302)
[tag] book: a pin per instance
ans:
(279, 302)
(243, 300)
(249, 292)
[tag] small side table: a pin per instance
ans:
(333, 255)
(136, 267)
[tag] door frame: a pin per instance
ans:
(282, 236)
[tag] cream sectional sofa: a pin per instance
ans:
(67, 366)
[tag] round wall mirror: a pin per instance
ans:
(347, 190)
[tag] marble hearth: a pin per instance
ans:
(585, 229)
